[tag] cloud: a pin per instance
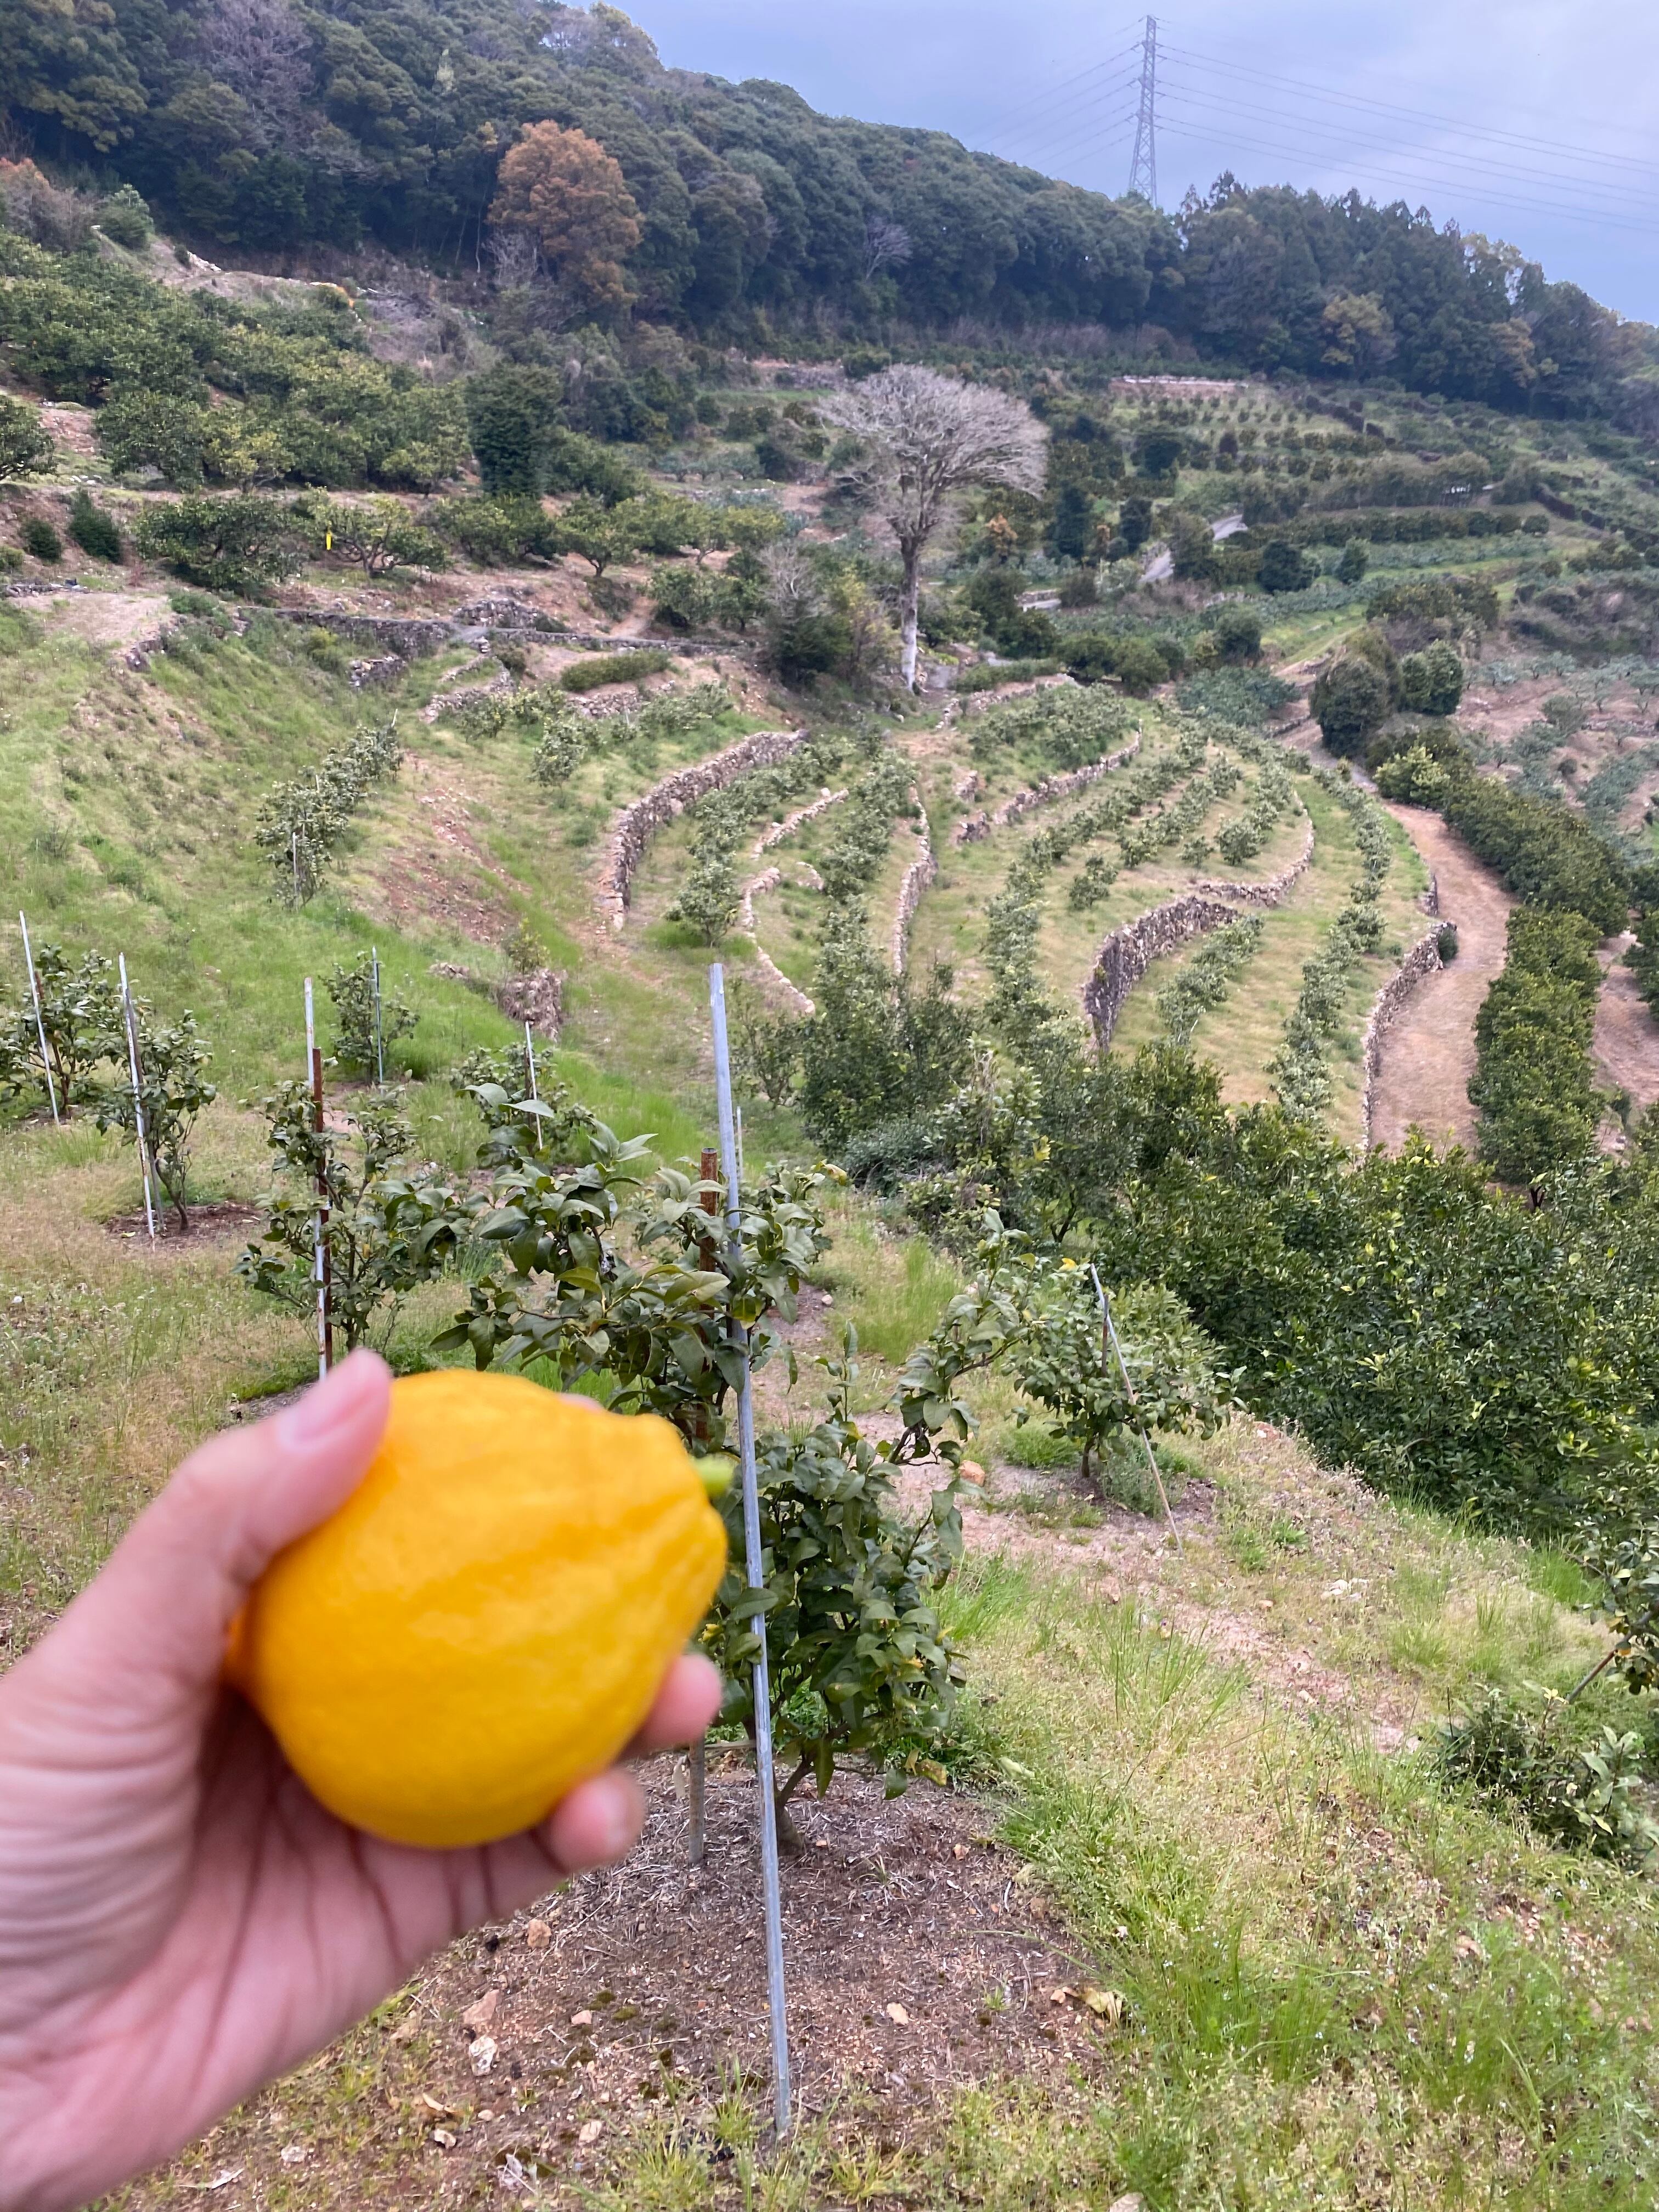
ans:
(1536, 125)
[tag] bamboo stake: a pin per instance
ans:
(319, 1264)
(40, 1022)
(1109, 1340)
(776, 1998)
(138, 1098)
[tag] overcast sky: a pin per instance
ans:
(1537, 121)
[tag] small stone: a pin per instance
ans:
(581, 2020)
(538, 1936)
(295, 2153)
(478, 2016)
(898, 2016)
(589, 2132)
(484, 2054)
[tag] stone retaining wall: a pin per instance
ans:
(791, 822)
(1048, 792)
(1422, 960)
(1128, 953)
(638, 824)
(779, 983)
(917, 876)
(412, 638)
(1272, 891)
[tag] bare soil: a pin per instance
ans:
(226, 1219)
(1626, 1046)
(1428, 1051)
(917, 1961)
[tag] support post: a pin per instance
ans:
(535, 1095)
(777, 2004)
(141, 1134)
(380, 1040)
(1109, 1342)
(696, 1767)
(320, 1263)
(40, 1021)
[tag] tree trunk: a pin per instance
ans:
(910, 601)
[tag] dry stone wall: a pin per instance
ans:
(1422, 960)
(1271, 891)
(917, 876)
(637, 824)
(777, 982)
(1128, 953)
(1048, 792)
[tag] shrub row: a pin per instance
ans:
(1538, 1106)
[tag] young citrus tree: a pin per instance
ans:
(172, 1092)
(387, 1229)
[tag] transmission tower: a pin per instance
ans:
(1143, 170)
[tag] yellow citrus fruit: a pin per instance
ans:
(486, 1619)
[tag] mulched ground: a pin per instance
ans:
(226, 1220)
(917, 1959)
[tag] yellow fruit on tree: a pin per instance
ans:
(486, 1619)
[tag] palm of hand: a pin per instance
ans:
(179, 1919)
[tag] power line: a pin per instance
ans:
(1143, 169)
(1068, 88)
(1612, 201)
(1081, 96)
(1419, 184)
(1459, 124)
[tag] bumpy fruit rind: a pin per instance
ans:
(486, 1620)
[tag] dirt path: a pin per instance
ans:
(1428, 1052)
(1626, 1046)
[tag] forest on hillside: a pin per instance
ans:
(259, 127)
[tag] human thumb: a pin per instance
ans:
(147, 1638)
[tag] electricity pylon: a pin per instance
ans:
(1143, 170)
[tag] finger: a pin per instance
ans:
(151, 1628)
(599, 1823)
(686, 1704)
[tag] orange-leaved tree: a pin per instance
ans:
(566, 191)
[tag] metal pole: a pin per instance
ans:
(39, 1023)
(319, 1267)
(379, 1042)
(293, 851)
(530, 1062)
(696, 1759)
(1110, 1337)
(751, 1532)
(138, 1098)
(739, 1130)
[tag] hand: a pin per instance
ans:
(180, 1921)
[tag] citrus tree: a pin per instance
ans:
(171, 1092)
(387, 1229)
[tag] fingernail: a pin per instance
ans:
(325, 1407)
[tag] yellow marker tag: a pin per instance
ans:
(328, 541)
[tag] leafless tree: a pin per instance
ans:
(262, 50)
(517, 257)
(886, 245)
(935, 436)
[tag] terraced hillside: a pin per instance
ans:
(1196, 1898)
